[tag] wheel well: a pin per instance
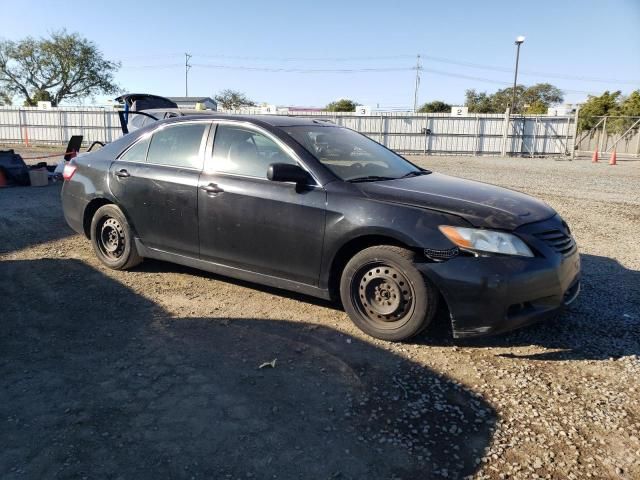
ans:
(89, 211)
(348, 250)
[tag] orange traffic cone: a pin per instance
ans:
(614, 157)
(594, 159)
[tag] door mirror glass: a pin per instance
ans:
(286, 172)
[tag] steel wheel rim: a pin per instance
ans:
(383, 295)
(111, 238)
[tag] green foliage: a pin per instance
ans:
(536, 108)
(233, 100)
(594, 107)
(630, 105)
(38, 96)
(65, 66)
(436, 106)
(5, 98)
(342, 105)
(538, 97)
(621, 111)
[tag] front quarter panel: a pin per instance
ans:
(351, 215)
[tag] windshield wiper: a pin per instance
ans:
(370, 178)
(416, 173)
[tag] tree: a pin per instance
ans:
(594, 107)
(5, 99)
(630, 106)
(533, 100)
(342, 105)
(436, 106)
(233, 100)
(65, 66)
(38, 96)
(479, 102)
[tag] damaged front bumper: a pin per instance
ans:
(493, 294)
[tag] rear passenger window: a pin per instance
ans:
(245, 152)
(138, 152)
(178, 145)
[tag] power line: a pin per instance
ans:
(302, 70)
(407, 56)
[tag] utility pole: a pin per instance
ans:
(415, 93)
(187, 67)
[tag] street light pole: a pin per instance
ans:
(519, 41)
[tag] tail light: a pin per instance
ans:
(69, 170)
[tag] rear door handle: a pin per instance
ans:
(212, 189)
(122, 173)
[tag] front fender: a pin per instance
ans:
(350, 217)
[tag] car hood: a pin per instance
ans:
(481, 204)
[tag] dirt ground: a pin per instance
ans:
(154, 373)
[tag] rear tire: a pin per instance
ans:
(112, 239)
(385, 295)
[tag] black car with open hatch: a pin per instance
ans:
(306, 205)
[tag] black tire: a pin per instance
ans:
(385, 295)
(112, 239)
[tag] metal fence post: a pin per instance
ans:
(604, 129)
(535, 138)
(20, 125)
(426, 137)
(566, 139)
(575, 134)
(476, 141)
(505, 131)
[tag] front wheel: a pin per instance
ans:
(112, 239)
(385, 295)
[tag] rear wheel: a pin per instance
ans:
(385, 295)
(112, 239)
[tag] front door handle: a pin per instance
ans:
(212, 189)
(122, 173)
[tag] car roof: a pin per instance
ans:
(270, 120)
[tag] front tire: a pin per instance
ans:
(385, 295)
(112, 239)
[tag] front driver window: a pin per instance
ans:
(245, 152)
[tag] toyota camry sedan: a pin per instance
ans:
(308, 206)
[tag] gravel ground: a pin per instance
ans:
(154, 373)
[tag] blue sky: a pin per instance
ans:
(576, 42)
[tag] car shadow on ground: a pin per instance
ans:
(603, 323)
(100, 382)
(151, 265)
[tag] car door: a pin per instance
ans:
(250, 222)
(156, 184)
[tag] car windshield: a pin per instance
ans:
(350, 155)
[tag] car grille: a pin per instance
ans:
(439, 255)
(559, 241)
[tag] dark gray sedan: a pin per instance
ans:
(308, 206)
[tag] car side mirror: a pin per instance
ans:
(286, 172)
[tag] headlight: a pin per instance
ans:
(486, 241)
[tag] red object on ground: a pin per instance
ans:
(594, 159)
(3, 179)
(614, 158)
